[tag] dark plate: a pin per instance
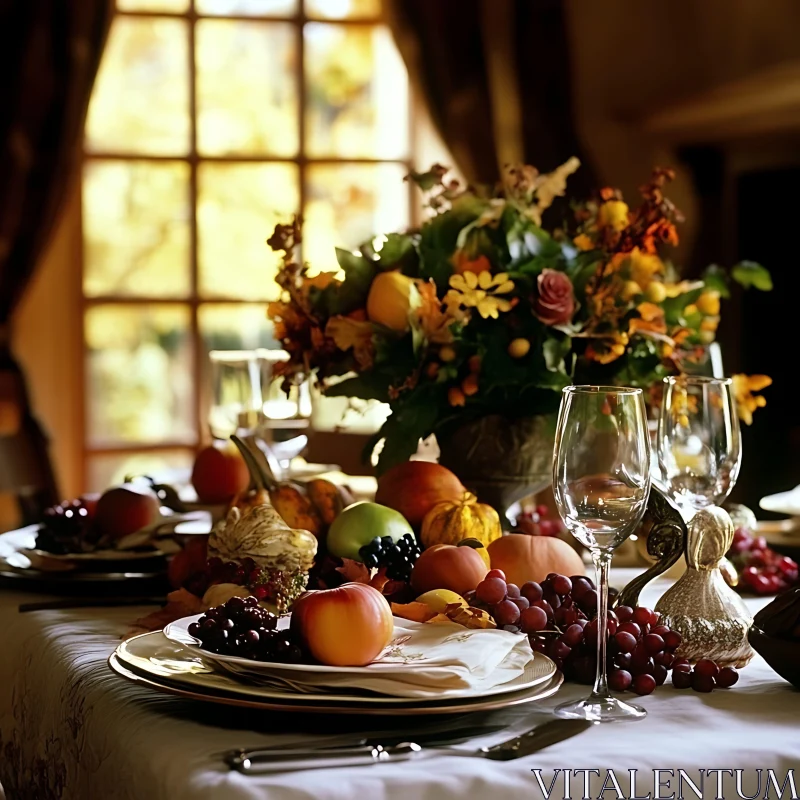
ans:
(783, 655)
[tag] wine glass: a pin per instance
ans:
(698, 442)
(236, 404)
(601, 481)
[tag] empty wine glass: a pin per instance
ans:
(699, 445)
(601, 481)
(236, 404)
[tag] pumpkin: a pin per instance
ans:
(450, 522)
(532, 558)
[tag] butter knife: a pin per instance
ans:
(552, 732)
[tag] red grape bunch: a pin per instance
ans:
(559, 617)
(242, 628)
(704, 677)
(761, 569)
(538, 522)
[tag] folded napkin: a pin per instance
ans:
(423, 661)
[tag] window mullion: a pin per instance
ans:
(197, 366)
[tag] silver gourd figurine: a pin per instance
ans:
(712, 619)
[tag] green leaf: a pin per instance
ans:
(716, 279)
(409, 422)
(352, 292)
(673, 306)
(749, 273)
(417, 335)
(555, 350)
(399, 250)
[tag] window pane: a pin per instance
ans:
(136, 228)
(238, 207)
(140, 102)
(349, 204)
(153, 5)
(139, 374)
(235, 326)
(343, 9)
(357, 92)
(247, 88)
(164, 466)
(278, 8)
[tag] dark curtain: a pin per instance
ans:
(49, 54)
(495, 75)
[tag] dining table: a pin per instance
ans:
(71, 729)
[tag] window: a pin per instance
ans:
(210, 121)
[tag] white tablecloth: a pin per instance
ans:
(70, 729)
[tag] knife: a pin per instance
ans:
(552, 732)
(433, 737)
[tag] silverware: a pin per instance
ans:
(433, 737)
(91, 602)
(285, 760)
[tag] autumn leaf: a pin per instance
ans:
(416, 612)
(356, 334)
(354, 571)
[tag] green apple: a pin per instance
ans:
(360, 523)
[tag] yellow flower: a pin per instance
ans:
(644, 267)
(613, 214)
(481, 292)
(605, 349)
(746, 401)
(583, 242)
(708, 303)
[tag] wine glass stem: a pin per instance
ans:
(602, 563)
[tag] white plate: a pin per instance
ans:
(157, 657)
(783, 502)
(96, 555)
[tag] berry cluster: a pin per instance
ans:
(242, 628)
(761, 569)
(65, 528)
(704, 677)
(538, 522)
(398, 557)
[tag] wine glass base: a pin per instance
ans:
(600, 709)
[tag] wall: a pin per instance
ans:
(630, 58)
(46, 339)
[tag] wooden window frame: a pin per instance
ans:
(194, 299)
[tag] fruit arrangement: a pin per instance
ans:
(559, 617)
(761, 570)
(349, 626)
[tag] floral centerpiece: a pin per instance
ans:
(485, 312)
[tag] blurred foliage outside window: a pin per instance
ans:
(210, 121)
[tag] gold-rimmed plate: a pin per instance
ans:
(299, 706)
(154, 656)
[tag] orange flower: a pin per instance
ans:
(746, 401)
(463, 263)
(434, 321)
(608, 348)
(650, 320)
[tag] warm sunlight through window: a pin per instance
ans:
(210, 121)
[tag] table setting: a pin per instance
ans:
(271, 631)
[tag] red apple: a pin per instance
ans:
(125, 509)
(344, 627)
(219, 473)
(415, 487)
(188, 561)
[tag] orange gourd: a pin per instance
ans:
(532, 558)
(450, 522)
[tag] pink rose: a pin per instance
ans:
(555, 304)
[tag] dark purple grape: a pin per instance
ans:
(194, 630)
(624, 613)
(561, 584)
(622, 660)
(520, 602)
(512, 590)
(660, 673)
(727, 677)
(506, 613)
(531, 591)
(619, 680)
(653, 642)
(235, 604)
(681, 679)
(625, 641)
(573, 635)
(558, 649)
